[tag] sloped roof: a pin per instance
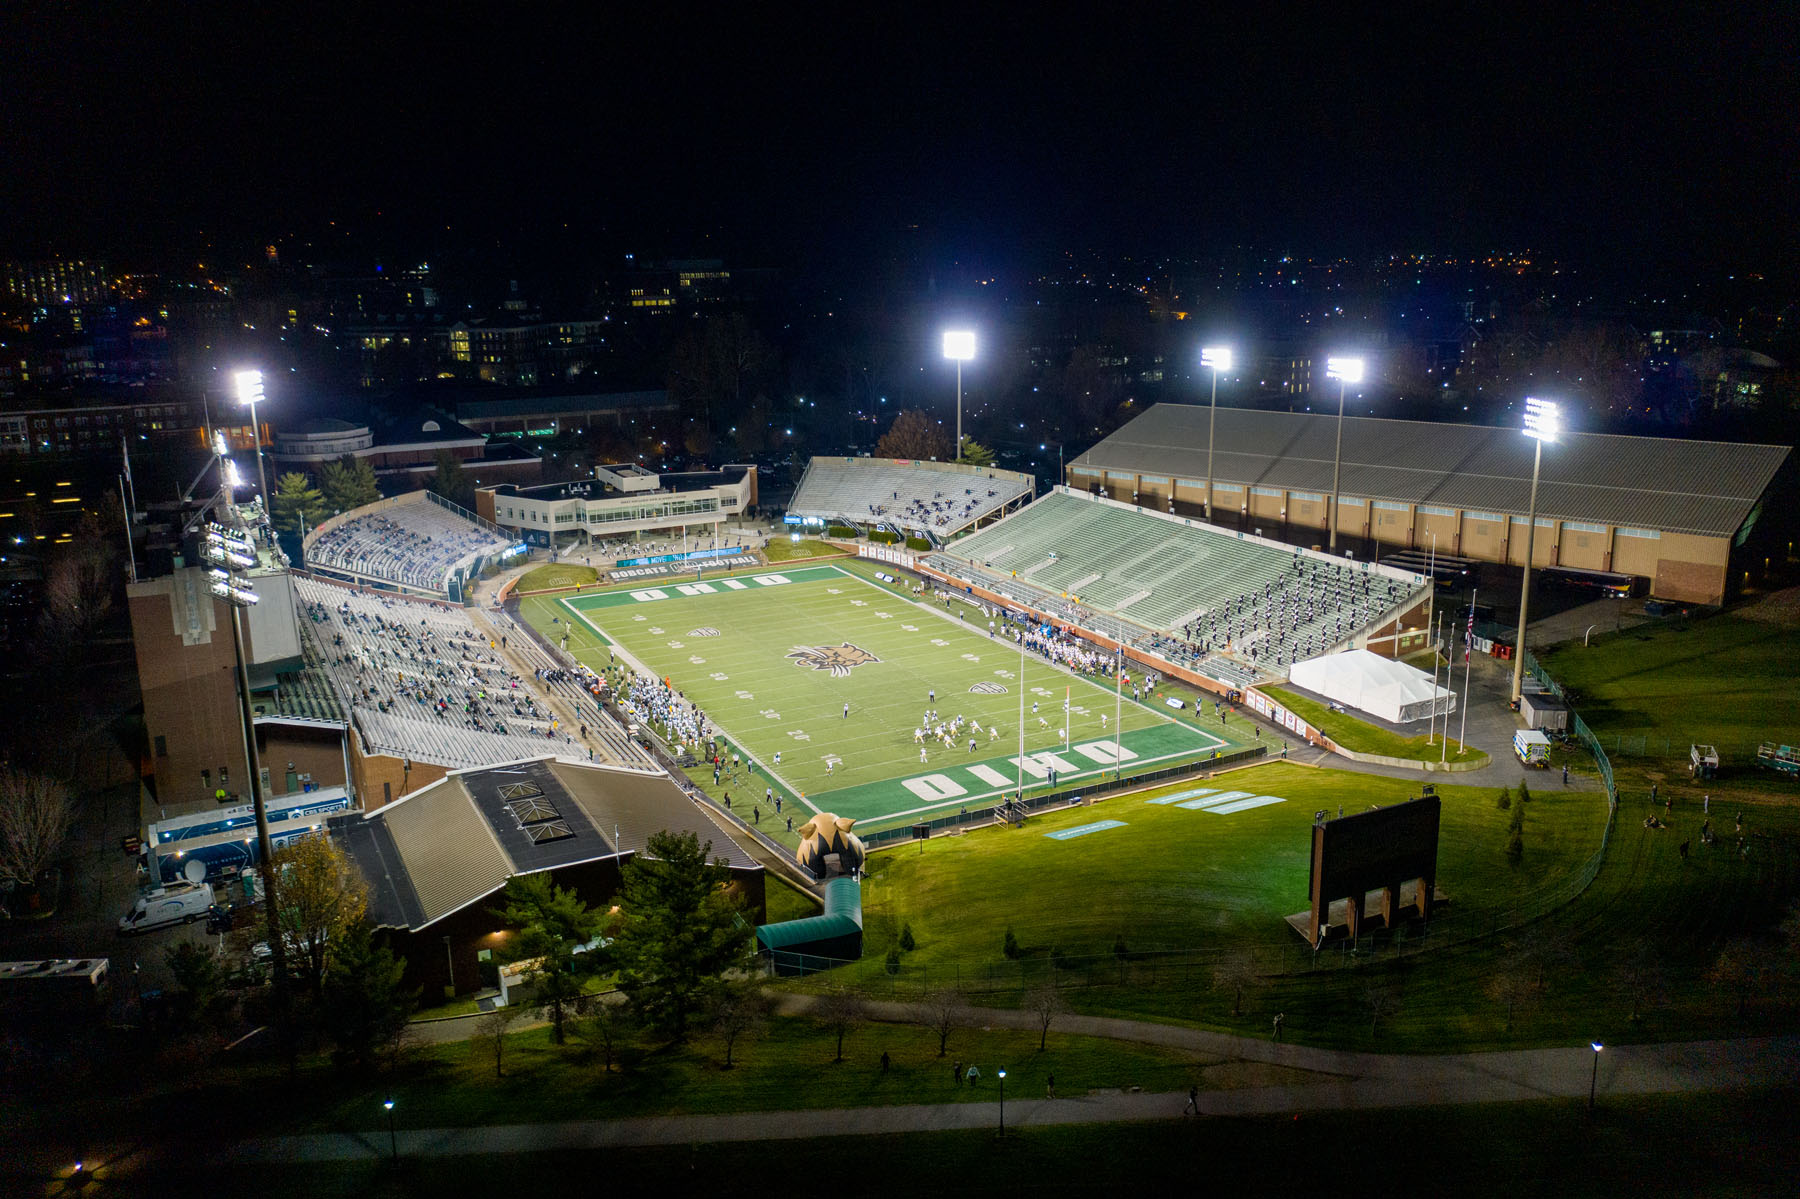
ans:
(459, 839)
(1670, 484)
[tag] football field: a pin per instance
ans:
(773, 658)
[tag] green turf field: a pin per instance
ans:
(774, 657)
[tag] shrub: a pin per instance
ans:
(906, 938)
(840, 531)
(893, 961)
(883, 537)
(1503, 801)
(917, 543)
(1010, 947)
(1524, 793)
(1515, 844)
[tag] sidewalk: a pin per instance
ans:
(1373, 1082)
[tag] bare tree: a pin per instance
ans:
(943, 1012)
(1513, 986)
(738, 1010)
(1638, 969)
(606, 1027)
(1237, 973)
(490, 1033)
(35, 816)
(1382, 1001)
(1045, 1004)
(841, 1009)
(1744, 967)
(1546, 950)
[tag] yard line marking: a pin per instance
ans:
(1244, 805)
(1082, 830)
(1221, 797)
(1181, 795)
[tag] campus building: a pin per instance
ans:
(620, 500)
(1684, 515)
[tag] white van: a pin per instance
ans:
(175, 903)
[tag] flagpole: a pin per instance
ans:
(1431, 581)
(1118, 711)
(1431, 729)
(1020, 792)
(1468, 665)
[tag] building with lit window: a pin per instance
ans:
(522, 354)
(620, 500)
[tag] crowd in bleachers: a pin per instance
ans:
(1309, 609)
(414, 545)
(421, 681)
(867, 491)
(603, 552)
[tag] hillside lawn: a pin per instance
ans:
(1359, 736)
(554, 575)
(781, 549)
(1728, 680)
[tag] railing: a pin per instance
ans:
(1061, 797)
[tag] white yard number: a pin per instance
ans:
(653, 594)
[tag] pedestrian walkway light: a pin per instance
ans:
(1002, 1074)
(1594, 1081)
(393, 1142)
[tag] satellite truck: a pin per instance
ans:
(174, 903)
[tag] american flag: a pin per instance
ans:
(1469, 635)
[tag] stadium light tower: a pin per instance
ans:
(229, 552)
(1542, 423)
(1346, 371)
(1219, 359)
(249, 391)
(959, 345)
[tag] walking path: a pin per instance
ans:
(1341, 1080)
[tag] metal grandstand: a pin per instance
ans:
(1230, 605)
(931, 499)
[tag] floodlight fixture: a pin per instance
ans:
(249, 386)
(1543, 419)
(959, 344)
(1346, 370)
(1217, 357)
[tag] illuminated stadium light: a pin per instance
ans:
(1216, 357)
(227, 587)
(1347, 370)
(1543, 420)
(959, 344)
(1219, 359)
(249, 386)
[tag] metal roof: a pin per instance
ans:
(1663, 483)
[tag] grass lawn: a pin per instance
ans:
(552, 575)
(1725, 680)
(781, 549)
(1361, 737)
(1183, 878)
(1679, 1145)
(789, 1066)
(773, 658)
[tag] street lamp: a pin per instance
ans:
(229, 551)
(959, 345)
(1002, 1074)
(1542, 423)
(249, 391)
(1219, 359)
(1346, 371)
(1594, 1080)
(393, 1142)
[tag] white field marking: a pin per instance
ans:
(734, 584)
(746, 695)
(719, 678)
(989, 775)
(934, 788)
(651, 594)
(695, 588)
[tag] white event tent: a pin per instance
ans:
(1380, 686)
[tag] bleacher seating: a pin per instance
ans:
(420, 681)
(414, 545)
(916, 498)
(1193, 594)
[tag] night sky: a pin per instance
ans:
(1614, 138)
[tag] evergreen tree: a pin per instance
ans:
(348, 483)
(451, 481)
(365, 1008)
(974, 453)
(554, 923)
(682, 931)
(297, 503)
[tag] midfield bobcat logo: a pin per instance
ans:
(838, 659)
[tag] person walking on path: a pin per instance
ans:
(1193, 1103)
(1050, 1086)
(884, 1061)
(974, 1076)
(1705, 804)
(1565, 776)
(956, 1073)
(1280, 1019)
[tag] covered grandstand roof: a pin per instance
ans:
(458, 840)
(1670, 484)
